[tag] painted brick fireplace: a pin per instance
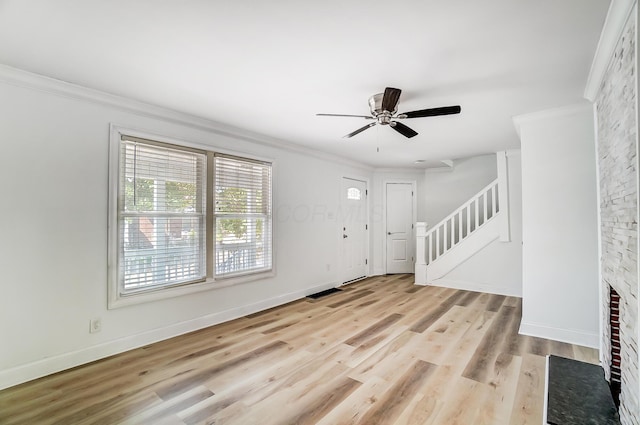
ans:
(617, 154)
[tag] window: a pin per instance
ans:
(353, 193)
(161, 216)
(242, 215)
(184, 216)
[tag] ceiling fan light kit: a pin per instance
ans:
(384, 108)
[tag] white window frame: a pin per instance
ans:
(266, 216)
(116, 297)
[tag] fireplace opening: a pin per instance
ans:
(614, 323)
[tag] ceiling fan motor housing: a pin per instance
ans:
(375, 105)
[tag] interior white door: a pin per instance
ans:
(400, 243)
(354, 229)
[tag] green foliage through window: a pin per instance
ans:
(138, 194)
(180, 196)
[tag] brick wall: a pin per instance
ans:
(617, 161)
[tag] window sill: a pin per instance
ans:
(116, 300)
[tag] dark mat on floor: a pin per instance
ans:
(324, 293)
(579, 394)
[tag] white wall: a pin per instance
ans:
(560, 255)
(447, 189)
(497, 268)
(53, 227)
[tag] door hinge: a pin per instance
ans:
(412, 225)
(366, 227)
(366, 261)
(412, 193)
(366, 192)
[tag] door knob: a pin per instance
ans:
(344, 236)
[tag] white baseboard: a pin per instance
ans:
(570, 336)
(476, 286)
(377, 272)
(47, 366)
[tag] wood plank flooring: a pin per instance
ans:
(383, 351)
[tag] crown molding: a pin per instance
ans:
(513, 152)
(399, 170)
(518, 120)
(443, 169)
(617, 17)
(448, 162)
(29, 80)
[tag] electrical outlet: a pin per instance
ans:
(95, 325)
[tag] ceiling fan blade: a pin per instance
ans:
(361, 129)
(390, 99)
(369, 117)
(403, 129)
(432, 112)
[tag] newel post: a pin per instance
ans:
(421, 258)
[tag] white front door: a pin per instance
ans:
(400, 241)
(353, 213)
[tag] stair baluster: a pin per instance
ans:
(434, 243)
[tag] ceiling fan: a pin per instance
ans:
(383, 110)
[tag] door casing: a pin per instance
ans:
(366, 239)
(384, 215)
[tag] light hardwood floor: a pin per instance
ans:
(383, 351)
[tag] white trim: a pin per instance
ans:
(475, 286)
(414, 201)
(124, 130)
(114, 298)
(477, 241)
(570, 336)
(113, 250)
(448, 162)
(399, 170)
(378, 271)
(599, 224)
(47, 366)
(21, 78)
(274, 218)
(367, 241)
(617, 17)
(444, 169)
(117, 301)
(510, 152)
(518, 120)
(503, 195)
(420, 271)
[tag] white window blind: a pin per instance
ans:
(243, 220)
(161, 215)
(180, 216)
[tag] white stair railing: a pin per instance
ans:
(458, 225)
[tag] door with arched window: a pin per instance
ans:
(353, 216)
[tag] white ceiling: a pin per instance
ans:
(270, 66)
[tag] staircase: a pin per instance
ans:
(464, 232)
